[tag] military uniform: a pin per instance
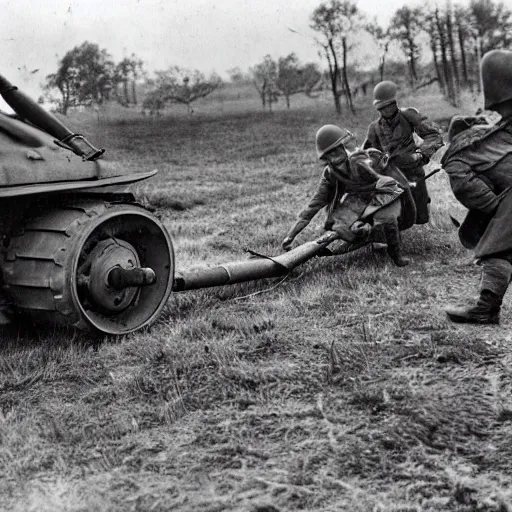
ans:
(356, 192)
(478, 163)
(394, 136)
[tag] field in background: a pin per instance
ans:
(341, 388)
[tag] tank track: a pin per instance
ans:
(35, 267)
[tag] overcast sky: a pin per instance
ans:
(209, 35)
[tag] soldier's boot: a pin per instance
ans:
(496, 274)
(422, 202)
(486, 310)
(393, 240)
(378, 239)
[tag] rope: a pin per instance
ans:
(259, 292)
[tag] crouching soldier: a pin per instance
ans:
(357, 197)
(478, 162)
(393, 133)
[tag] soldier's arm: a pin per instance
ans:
(371, 140)
(319, 200)
(469, 188)
(428, 131)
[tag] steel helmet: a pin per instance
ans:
(330, 136)
(384, 93)
(496, 73)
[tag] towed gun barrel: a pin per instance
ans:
(259, 267)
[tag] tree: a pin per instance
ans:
(181, 85)
(442, 30)
(129, 70)
(85, 74)
(236, 75)
(383, 39)
(293, 77)
(431, 30)
(336, 21)
(492, 24)
(405, 27)
(463, 33)
(491, 27)
(123, 76)
(264, 78)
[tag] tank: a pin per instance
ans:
(76, 248)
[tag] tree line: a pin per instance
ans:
(456, 38)
(87, 75)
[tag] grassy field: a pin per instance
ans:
(342, 388)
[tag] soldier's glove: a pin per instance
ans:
(360, 228)
(421, 157)
(287, 243)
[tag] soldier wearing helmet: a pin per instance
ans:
(393, 133)
(358, 198)
(478, 163)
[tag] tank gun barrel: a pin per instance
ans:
(28, 109)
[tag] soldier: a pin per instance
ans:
(478, 163)
(358, 198)
(393, 132)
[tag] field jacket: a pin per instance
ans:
(357, 177)
(395, 137)
(479, 165)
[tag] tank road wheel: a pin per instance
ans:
(98, 266)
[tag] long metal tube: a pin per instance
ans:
(255, 268)
(28, 109)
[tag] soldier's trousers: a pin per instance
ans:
(496, 274)
(344, 217)
(419, 193)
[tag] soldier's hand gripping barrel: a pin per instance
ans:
(29, 110)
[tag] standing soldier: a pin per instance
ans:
(393, 133)
(478, 163)
(357, 197)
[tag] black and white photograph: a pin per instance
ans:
(255, 256)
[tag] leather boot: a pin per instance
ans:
(393, 240)
(486, 310)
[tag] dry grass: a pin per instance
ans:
(345, 388)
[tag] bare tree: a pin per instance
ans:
(453, 54)
(406, 26)
(463, 33)
(264, 76)
(336, 21)
(180, 85)
(383, 39)
(447, 69)
(431, 29)
(294, 78)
